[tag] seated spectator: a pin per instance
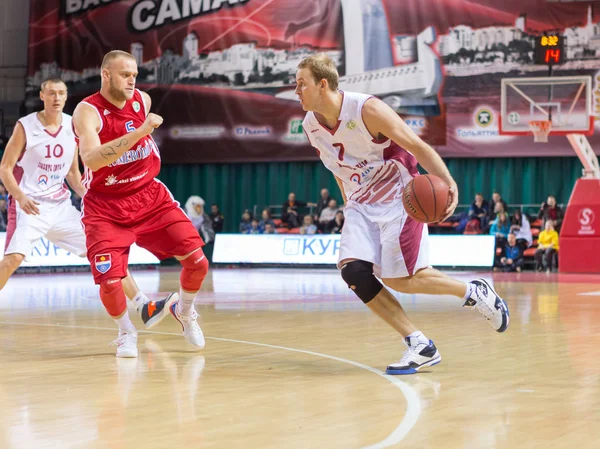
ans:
(269, 228)
(327, 214)
(511, 258)
(519, 225)
(217, 218)
(289, 211)
(194, 207)
(322, 203)
(266, 219)
(246, 222)
(547, 247)
(493, 211)
(500, 228)
(550, 211)
(254, 228)
(308, 226)
(335, 226)
(479, 210)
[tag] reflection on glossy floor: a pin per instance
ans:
(294, 360)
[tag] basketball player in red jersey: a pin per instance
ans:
(125, 203)
(40, 155)
(373, 155)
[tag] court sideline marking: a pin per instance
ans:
(413, 404)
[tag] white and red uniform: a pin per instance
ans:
(374, 173)
(40, 173)
(124, 203)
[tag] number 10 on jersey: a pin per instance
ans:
(57, 151)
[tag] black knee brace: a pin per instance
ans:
(358, 274)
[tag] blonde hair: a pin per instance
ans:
(322, 67)
(114, 54)
(54, 81)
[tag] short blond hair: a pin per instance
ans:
(114, 54)
(54, 80)
(322, 67)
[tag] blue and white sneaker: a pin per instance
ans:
(417, 356)
(485, 299)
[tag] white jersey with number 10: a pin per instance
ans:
(43, 166)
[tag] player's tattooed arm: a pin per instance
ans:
(93, 152)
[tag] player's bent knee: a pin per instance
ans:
(194, 270)
(113, 297)
(359, 276)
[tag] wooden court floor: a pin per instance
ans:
(294, 360)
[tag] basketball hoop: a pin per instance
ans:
(540, 129)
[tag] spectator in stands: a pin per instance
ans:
(266, 219)
(246, 222)
(289, 211)
(254, 228)
(511, 258)
(479, 210)
(217, 218)
(269, 229)
(336, 225)
(308, 225)
(500, 228)
(327, 215)
(519, 225)
(493, 211)
(323, 203)
(194, 207)
(550, 211)
(547, 247)
(3, 193)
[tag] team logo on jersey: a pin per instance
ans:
(136, 106)
(102, 262)
(42, 179)
(110, 180)
(351, 125)
(106, 112)
(355, 177)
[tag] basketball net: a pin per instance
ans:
(540, 129)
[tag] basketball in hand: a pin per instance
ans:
(426, 198)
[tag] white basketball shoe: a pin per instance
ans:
(417, 356)
(485, 299)
(126, 345)
(191, 329)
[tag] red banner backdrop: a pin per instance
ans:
(221, 72)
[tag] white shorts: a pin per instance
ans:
(60, 223)
(386, 236)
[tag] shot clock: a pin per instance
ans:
(549, 50)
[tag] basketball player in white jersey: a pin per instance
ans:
(373, 155)
(40, 155)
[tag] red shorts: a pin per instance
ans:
(151, 218)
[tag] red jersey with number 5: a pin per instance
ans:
(138, 166)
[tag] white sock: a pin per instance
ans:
(186, 301)
(139, 300)
(125, 324)
(417, 337)
(470, 289)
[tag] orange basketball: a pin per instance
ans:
(425, 198)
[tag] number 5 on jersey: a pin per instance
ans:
(129, 126)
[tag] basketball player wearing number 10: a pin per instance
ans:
(126, 204)
(373, 155)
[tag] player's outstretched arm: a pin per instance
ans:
(12, 152)
(380, 119)
(74, 176)
(95, 154)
